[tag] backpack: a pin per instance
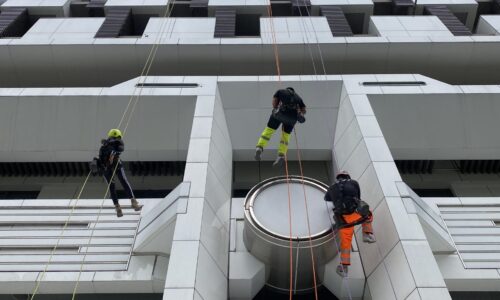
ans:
(290, 101)
(345, 195)
(105, 150)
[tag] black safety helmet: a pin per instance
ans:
(343, 174)
(291, 90)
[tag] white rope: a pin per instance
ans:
(345, 280)
(145, 71)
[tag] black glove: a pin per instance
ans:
(94, 166)
(363, 209)
(300, 118)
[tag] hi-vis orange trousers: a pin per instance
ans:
(346, 233)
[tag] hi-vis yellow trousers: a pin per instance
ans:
(266, 136)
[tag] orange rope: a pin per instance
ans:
(290, 223)
(275, 45)
(278, 69)
(307, 215)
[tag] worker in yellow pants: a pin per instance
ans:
(288, 108)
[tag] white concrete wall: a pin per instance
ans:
(407, 26)
(52, 124)
(199, 259)
(109, 265)
(458, 124)
(248, 106)
(400, 264)
(489, 25)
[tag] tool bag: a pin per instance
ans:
(284, 116)
(96, 167)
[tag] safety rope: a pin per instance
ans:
(334, 235)
(149, 63)
(278, 71)
(53, 251)
(143, 75)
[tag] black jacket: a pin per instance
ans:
(111, 146)
(345, 195)
(288, 100)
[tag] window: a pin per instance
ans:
(145, 193)
(434, 192)
(15, 195)
(247, 25)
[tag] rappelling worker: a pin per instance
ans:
(288, 108)
(349, 211)
(109, 160)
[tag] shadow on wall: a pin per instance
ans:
(475, 295)
(266, 293)
(87, 297)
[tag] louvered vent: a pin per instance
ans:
(496, 6)
(96, 3)
(402, 7)
(137, 168)
(199, 8)
(157, 168)
(225, 22)
(415, 166)
(118, 22)
(96, 8)
(336, 20)
(448, 18)
(479, 166)
(301, 7)
(14, 22)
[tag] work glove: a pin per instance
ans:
(300, 118)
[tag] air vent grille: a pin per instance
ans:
(415, 166)
(116, 23)
(448, 18)
(336, 20)
(14, 22)
(137, 168)
(225, 22)
(479, 166)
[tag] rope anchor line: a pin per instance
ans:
(276, 54)
(130, 111)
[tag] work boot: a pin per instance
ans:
(258, 153)
(118, 209)
(279, 161)
(135, 204)
(342, 270)
(368, 238)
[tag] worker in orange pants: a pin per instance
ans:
(345, 235)
(349, 211)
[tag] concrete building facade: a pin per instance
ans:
(404, 95)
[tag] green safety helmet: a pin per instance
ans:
(115, 133)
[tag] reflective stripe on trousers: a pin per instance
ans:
(346, 234)
(283, 148)
(265, 137)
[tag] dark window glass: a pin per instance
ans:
(434, 192)
(145, 193)
(247, 25)
(13, 195)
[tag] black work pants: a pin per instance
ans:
(120, 173)
(274, 123)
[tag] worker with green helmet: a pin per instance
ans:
(109, 157)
